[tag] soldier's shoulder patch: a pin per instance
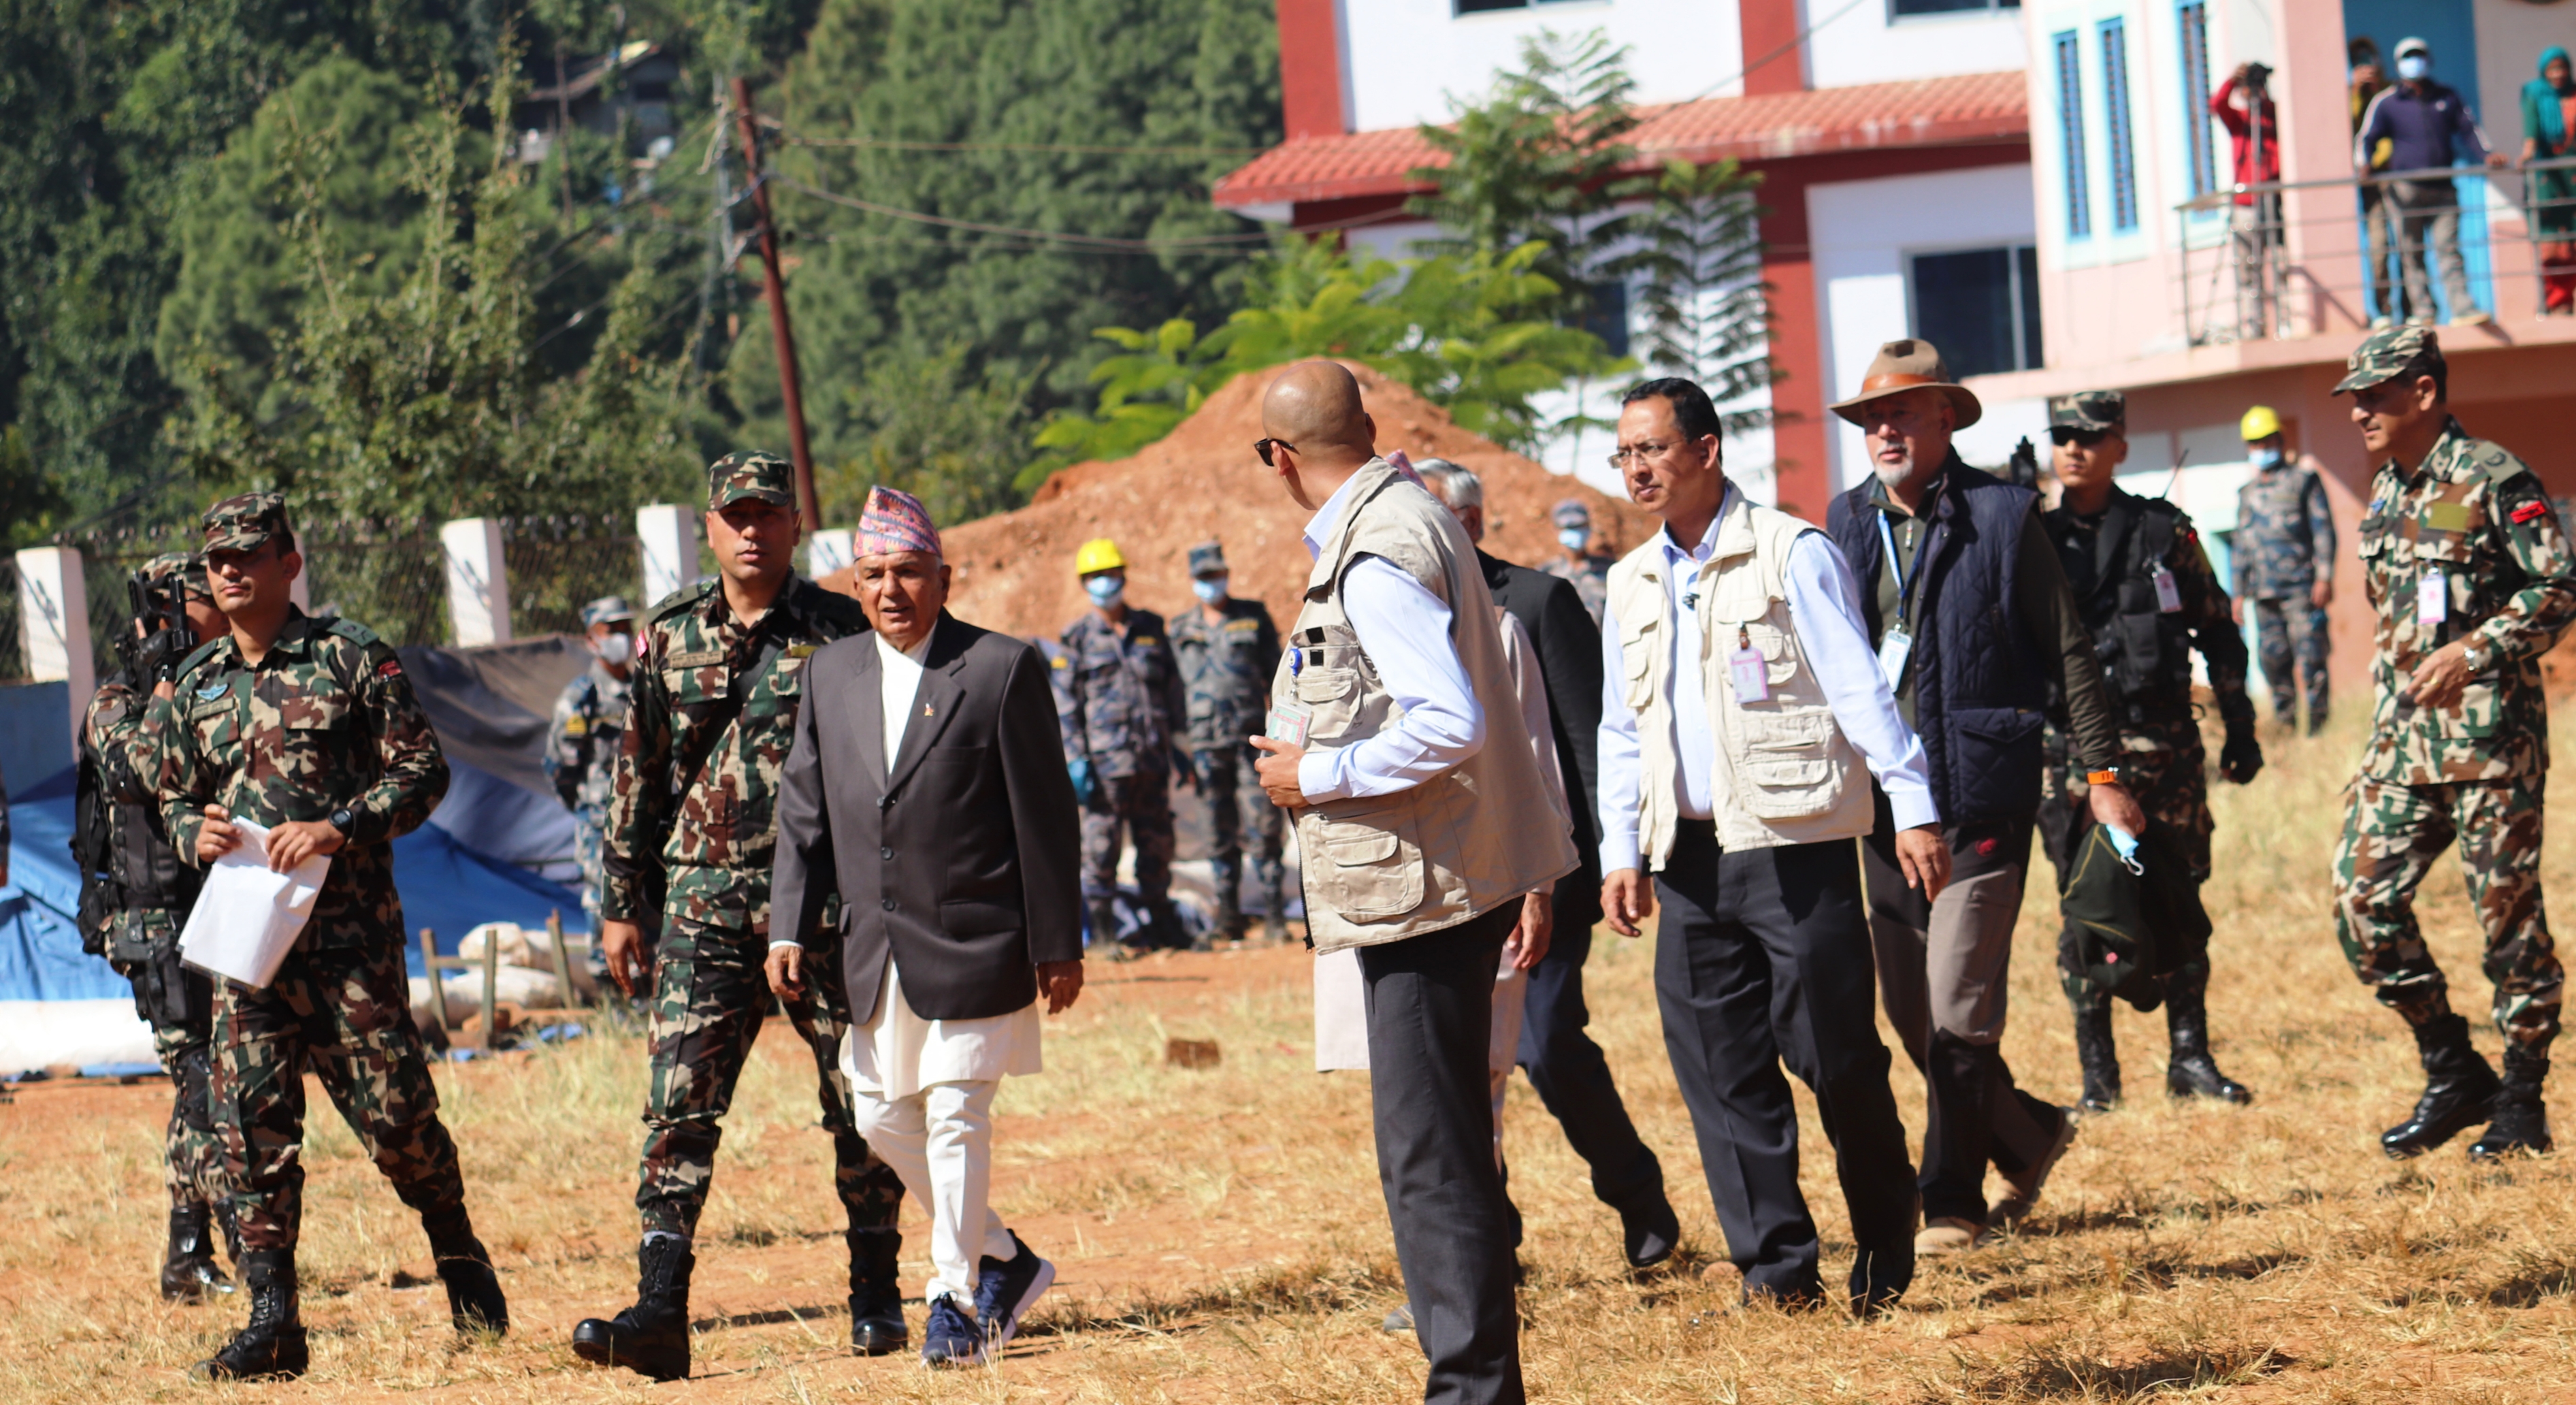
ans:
(1055, 660)
(2530, 511)
(2496, 461)
(352, 630)
(389, 668)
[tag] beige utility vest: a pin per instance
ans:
(1784, 771)
(1382, 868)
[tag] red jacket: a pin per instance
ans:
(2253, 165)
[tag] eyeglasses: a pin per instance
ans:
(1264, 446)
(1619, 457)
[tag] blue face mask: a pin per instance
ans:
(2414, 68)
(1105, 591)
(1575, 538)
(2264, 457)
(1210, 589)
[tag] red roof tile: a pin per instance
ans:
(1978, 107)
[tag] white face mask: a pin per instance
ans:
(1575, 538)
(1210, 589)
(2264, 457)
(2414, 67)
(616, 648)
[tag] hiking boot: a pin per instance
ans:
(2099, 1053)
(2521, 1120)
(2459, 1090)
(271, 1347)
(876, 1293)
(652, 1337)
(2190, 1072)
(188, 1271)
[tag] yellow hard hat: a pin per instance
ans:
(1098, 554)
(2259, 423)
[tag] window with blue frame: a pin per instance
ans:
(2198, 144)
(2115, 115)
(2070, 135)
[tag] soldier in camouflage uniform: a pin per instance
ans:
(1226, 650)
(2468, 569)
(691, 831)
(1589, 572)
(582, 743)
(1123, 720)
(2284, 550)
(2148, 598)
(308, 726)
(135, 897)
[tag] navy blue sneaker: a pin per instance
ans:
(948, 1339)
(1004, 1289)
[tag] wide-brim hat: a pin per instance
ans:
(1911, 364)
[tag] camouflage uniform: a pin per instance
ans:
(1590, 574)
(581, 757)
(1120, 703)
(2283, 545)
(323, 727)
(1225, 676)
(691, 831)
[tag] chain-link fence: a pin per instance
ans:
(389, 576)
(107, 562)
(13, 635)
(557, 565)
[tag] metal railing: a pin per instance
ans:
(2282, 259)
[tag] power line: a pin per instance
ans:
(1100, 241)
(1039, 148)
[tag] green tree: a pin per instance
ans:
(1697, 266)
(935, 430)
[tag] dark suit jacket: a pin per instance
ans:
(1569, 659)
(963, 863)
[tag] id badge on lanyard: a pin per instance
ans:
(1750, 671)
(1896, 645)
(2432, 597)
(2168, 594)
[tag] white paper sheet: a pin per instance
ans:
(248, 918)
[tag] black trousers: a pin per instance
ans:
(1762, 957)
(1430, 1002)
(1573, 1079)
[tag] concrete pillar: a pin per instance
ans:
(53, 622)
(478, 586)
(670, 537)
(829, 549)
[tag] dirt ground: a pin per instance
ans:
(1221, 1238)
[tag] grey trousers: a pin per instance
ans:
(2430, 207)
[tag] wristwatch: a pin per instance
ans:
(2109, 775)
(343, 821)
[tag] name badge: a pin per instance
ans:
(1752, 675)
(2168, 594)
(2432, 598)
(1288, 722)
(1894, 648)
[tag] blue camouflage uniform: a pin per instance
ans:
(581, 752)
(1120, 703)
(2284, 544)
(1225, 668)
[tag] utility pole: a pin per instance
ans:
(806, 506)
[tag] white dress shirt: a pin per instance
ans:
(1404, 630)
(1824, 609)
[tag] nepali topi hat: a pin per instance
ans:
(893, 522)
(1911, 364)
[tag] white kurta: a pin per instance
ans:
(897, 1053)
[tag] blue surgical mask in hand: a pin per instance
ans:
(2125, 845)
(2414, 67)
(1208, 588)
(2265, 457)
(1105, 591)
(1575, 538)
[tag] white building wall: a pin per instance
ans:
(1860, 41)
(1407, 61)
(1863, 232)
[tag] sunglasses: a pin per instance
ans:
(1264, 446)
(2086, 437)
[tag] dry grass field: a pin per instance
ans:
(1221, 1236)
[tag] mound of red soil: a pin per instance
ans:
(1014, 572)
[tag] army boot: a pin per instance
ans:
(651, 1337)
(2459, 1089)
(188, 1272)
(2521, 1120)
(272, 1346)
(474, 1300)
(1229, 911)
(876, 1292)
(2190, 1072)
(2100, 1055)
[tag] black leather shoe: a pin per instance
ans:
(2100, 1056)
(652, 1337)
(2521, 1124)
(188, 1272)
(2192, 1073)
(1651, 1233)
(474, 1299)
(876, 1293)
(2459, 1090)
(272, 1346)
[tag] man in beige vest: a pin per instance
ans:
(1395, 741)
(1742, 718)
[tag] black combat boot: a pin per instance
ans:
(876, 1292)
(1229, 911)
(2190, 1072)
(2099, 1054)
(474, 1300)
(272, 1346)
(651, 1337)
(2521, 1121)
(188, 1272)
(1104, 932)
(2459, 1089)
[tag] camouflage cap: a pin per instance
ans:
(750, 475)
(2089, 411)
(188, 566)
(605, 609)
(1207, 559)
(245, 521)
(2385, 354)
(1572, 513)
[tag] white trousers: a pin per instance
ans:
(940, 1142)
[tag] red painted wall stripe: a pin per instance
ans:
(1310, 68)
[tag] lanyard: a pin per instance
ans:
(1904, 584)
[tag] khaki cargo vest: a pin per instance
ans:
(1785, 773)
(1382, 868)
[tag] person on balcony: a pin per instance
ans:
(2243, 105)
(2378, 218)
(2549, 133)
(2419, 120)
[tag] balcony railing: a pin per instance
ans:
(2445, 244)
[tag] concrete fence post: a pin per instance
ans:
(478, 585)
(53, 615)
(828, 550)
(670, 550)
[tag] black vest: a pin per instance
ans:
(1979, 692)
(2145, 651)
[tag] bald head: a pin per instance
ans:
(1315, 405)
